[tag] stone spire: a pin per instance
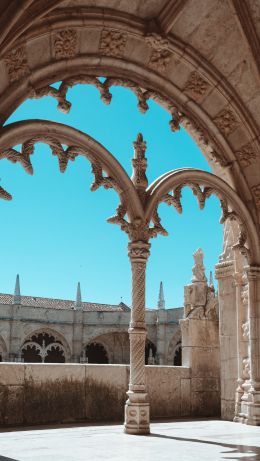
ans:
(211, 283)
(198, 269)
(78, 302)
(161, 300)
(17, 292)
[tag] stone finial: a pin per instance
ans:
(139, 163)
(78, 302)
(198, 269)
(17, 292)
(161, 300)
(211, 281)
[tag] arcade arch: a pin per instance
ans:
(211, 109)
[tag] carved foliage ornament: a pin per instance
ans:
(160, 56)
(174, 199)
(112, 42)
(65, 43)
(246, 155)
(143, 95)
(196, 86)
(17, 64)
(63, 154)
(256, 193)
(226, 121)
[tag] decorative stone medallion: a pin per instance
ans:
(65, 43)
(112, 43)
(226, 121)
(17, 64)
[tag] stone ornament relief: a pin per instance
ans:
(160, 56)
(256, 194)
(246, 155)
(112, 43)
(64, 155)
(196, 86)
(200, 300)
(65, 43)
(226, 121)
(16, 64)
(198, 269)
(143, 95)
(137, 229)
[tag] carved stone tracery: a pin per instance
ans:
(143, 95)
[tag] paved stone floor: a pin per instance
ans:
(179, 440)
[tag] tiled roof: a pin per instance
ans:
(62, 303)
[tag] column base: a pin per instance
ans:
(250, 408)
(137, 414)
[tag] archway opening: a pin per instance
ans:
(150, 353)
(96, 353)
(177, 359)
(43, 347)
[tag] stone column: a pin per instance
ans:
(137, 409)
(228, 337)
(242, 341)
(251, 407)
(200, 341)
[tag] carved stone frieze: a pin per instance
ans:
(65, 43)
(226, 121)
(161, 55)
(246, 155)
(196, 86)
(112, 43)
(17, 64)
(256, 194)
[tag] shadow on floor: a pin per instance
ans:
(251, 453)
(3, 458)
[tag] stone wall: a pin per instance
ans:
(75, 329)
(50, 393)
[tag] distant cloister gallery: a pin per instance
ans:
(202, 65)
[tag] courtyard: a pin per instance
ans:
(200, 439)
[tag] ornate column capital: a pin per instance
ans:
(139, 251)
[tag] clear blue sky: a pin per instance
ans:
(54, 232)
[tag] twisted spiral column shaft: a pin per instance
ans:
(137, 406)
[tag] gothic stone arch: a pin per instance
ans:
(51, 332)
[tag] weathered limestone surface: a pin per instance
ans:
(45, 393)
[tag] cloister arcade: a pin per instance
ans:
(139, 52)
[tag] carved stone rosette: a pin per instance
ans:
(137, 409)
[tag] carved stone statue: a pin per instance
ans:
(198, 269)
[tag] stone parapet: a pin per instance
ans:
(55, 393)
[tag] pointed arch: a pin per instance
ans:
(175, 180)
(58, 337)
